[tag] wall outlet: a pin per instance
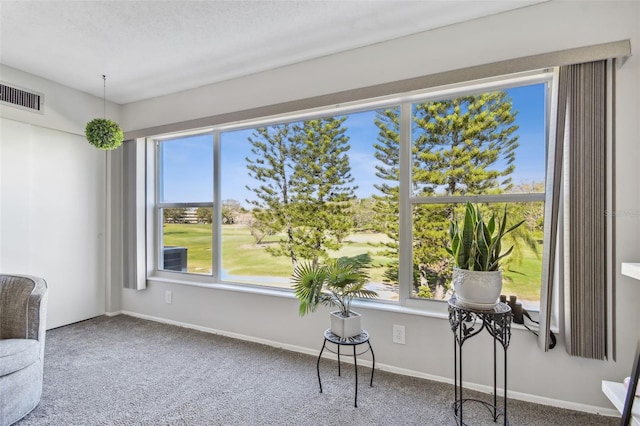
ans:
(167, 297)
(398, 334)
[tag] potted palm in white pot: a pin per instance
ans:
(477, 253)
(335, 283)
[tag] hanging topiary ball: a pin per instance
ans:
(104, 134)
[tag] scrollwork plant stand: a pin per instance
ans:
(466, 323)
(360, 339)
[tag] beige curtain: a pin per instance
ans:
(576, 231)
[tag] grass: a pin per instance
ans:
(523, 278)
(249, 263)
(197, 238)
(241, 256)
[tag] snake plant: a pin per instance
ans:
(476, 245)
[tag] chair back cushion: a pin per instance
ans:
(20, 298)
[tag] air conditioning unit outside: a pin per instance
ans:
(175, 258)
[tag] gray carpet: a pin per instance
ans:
(127, 371)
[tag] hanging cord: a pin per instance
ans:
(104, 96)
(520, 313)
(551, 335)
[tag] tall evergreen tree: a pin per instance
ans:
(460, 146)
(304, 189)
(465, 145)
(322, 190)
(272, 166)
(387, 202)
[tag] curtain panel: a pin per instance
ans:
(576, 257)
(134, 216)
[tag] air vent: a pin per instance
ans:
(21, 98)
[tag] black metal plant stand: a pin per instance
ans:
(354, 341)
(466, 323)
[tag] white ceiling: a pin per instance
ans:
(152, 48)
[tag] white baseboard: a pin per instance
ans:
(610, 412)
(512, 394)
(238, 336)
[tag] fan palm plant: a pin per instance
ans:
(335, 283)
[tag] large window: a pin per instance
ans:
(243, 204)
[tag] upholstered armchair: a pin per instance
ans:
(23, 307)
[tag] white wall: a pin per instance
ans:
(53, 199)
(552, 378)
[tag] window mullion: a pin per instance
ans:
(405, 231)
(184, 205)
(482, 198)
(158, 219)
(216, 220)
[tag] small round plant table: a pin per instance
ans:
(353, 341)
(468, 322)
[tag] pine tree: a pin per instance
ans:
(321, 183)
(386, 205)
(460, 146)
(272, 166)
(465, 145)
(304, 189)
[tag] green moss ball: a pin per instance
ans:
(104, 134)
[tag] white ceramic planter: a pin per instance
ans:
(477, 289)
(346, 326)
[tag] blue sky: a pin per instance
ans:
(188, 164)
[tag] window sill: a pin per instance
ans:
(431, 309)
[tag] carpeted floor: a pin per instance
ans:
(127, 371)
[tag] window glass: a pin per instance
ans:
(185, 192)
(521, 271)
(186, 169)
(187, 240)
(308, 190)
(484, 144)
(249, 163)
(329, 186)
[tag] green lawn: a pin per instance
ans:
(524, 278)
(197, 239)
(242, 258)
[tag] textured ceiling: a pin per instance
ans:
(152, 48)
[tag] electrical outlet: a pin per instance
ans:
(167, 297)
(398, 334)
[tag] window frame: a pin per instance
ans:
(159, 206)
(407, 201)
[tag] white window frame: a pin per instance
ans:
(406, 199)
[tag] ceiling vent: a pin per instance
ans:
(21, 98)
